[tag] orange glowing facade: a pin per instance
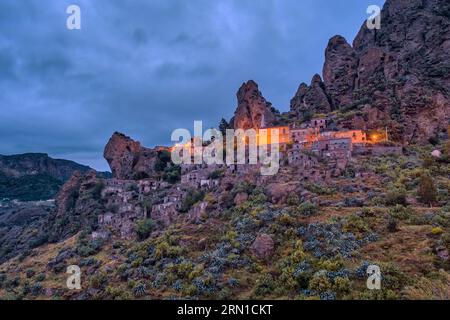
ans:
(357, 136)
(267, 136)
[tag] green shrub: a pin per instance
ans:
(397, 196)
(172, 174)
(320, 282)
(141, 175)
(307, 209)
(356, 224)
(216, 174)
(400, 212)
(98, 280)
(293, 200)
(427, 189)
(265, 285)
(144, 228)
(162, 160)
(319, 189)
(192, 197)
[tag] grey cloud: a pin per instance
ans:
(148, 67)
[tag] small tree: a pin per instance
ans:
(162, 160)
(427, 190)
(144, 228)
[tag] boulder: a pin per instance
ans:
(436, 154)
(263, 247)
(240, 198)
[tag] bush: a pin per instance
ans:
(320, 282)
(216, 174)
(172, 174)
(141, 175)
(40, 277)
(293, 200)
(139, 290)
(39, 240)
(162, 160)
(144, 228)
(265, 285)
(307, 209)
(98, 280)
(399, 212)
(437, 231)
(427, 190)
(319, 189)
(97, 190)
(192, 197)
(392, 225)
(29, 273)
(395, 197)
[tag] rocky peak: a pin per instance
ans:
(122, 153)
(396, 76)
(253, 111)
(311, 99)
(340, 70)
(127, 158)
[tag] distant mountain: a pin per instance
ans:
(36, 176)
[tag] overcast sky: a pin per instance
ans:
(148, 67)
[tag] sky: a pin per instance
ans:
(146, 68)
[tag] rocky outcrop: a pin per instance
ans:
(397, 76)
(36, 176)
(311, 99)
(340, 70)
(263, 247)
(253, 111)
(68, 194)
(30, 164)
(128, 159)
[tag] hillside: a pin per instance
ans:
(363, 180)
(35, 176)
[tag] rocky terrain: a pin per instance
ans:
(156, 230)
(35, 176)
(396, 76)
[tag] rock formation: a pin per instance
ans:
(340, 70)
(263, 247)
(36, 176)
(127, 158)
(397, 76)
(253, 111)
(311, 99)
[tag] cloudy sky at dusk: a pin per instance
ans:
(148, 67)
